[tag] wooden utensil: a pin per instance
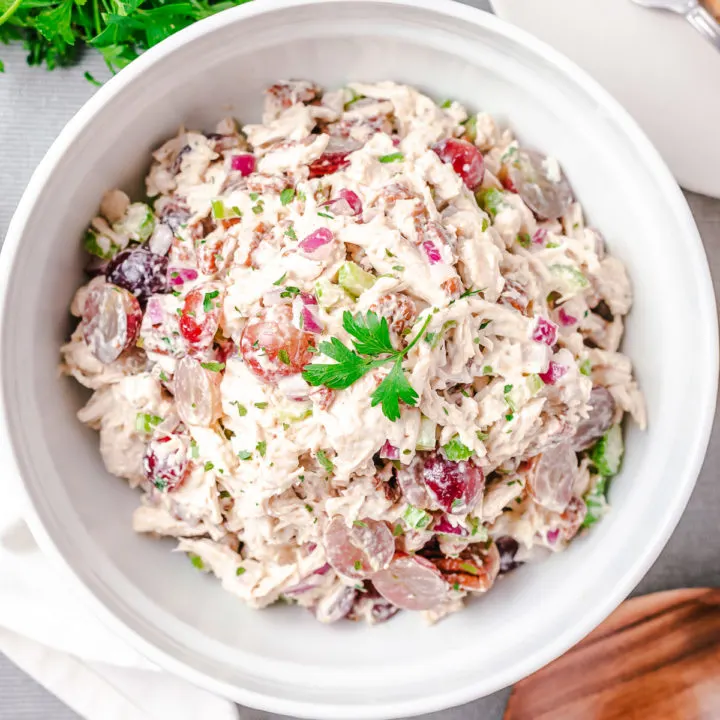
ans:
(657, 657)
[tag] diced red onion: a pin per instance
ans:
(180, 275)
(389, 452)
(566, 319)
(308, 583)
(545, 332)
(539, 236)
(316, 242)
(305, 315)
(244, 162)
(554, 372)
(308, 299)
(322, 570)
(396, 142)
(154, 311)
(346, 203)
(445, 527)
(552, 536)
(432, 253)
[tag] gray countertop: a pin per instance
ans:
(34, 106)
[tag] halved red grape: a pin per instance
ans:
(541, 184)
(474, 570)
(602, 412)
(140, 271)
(166, 461)
(360, 550)
(200, 315)
(336, 605)
(197, 392)
(111, 321)
(550, 481)
(455, 486)
(466, 160)
(272, 346)
(412, 583)
(507, 547)
(334, 158)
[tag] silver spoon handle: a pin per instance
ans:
(705, 24)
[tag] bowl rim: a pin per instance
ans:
(703, 418)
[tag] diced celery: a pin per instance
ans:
(470, 126)
(534, 384)
(596, 503)
(354, 279)
(138, 223)
(100, 245)
(426, 437)
(568, 279)
(490, 200)
(301, 412)
(416, 518)
(608, 451)
(328, 293)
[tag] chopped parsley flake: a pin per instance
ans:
(507, 389)
(524, 240)
(225, 494)
(456, 587)
(254, 196)
(194, 452)
(392, 157)
(283, 356)
(281, 279)
(360, 523)
(197, 562)
(325, 461)
(487, 370)
(242, 410)
(240, 571)
(326, 215)
(357, 565)
(290, 291)
(290, 232)
(145, 422)
(484, 324)
(586, 367)
(208, 466)
(244, 455)
(261, 448)
(397, 530)
(468, 568)
(456, 451)
(213, 366)
(287, 196)
(261, 405)
(398, 268)
(207, 300)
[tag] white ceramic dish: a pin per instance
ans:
(282, 659)
(661, 69)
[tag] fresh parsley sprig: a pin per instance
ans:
(372, 349)
(55, 31)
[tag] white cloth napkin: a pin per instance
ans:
(47, 634)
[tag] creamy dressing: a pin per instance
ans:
(283, 457)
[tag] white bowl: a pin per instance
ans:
(282, 659)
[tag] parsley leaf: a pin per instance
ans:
(349, 367)
(371, 333)
(325, 461)
(392, 389)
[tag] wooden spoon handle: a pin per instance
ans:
(655, 657)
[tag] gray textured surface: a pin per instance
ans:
(34, 105)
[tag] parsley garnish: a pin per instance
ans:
(281, 279)
(244, 455)
(524, 240)
(397, 530)
(196, 560)
(208, 466)
(360, 523)
(290, 232)
(240, 570)
(586, 367)
(358, 565)
(242, 410)
(261, 448)
(283, 356)
(287, 196)
(468, 568)
(371, 339)
(393, 157)
(416, 518)
(261, 405)
(194, 452)
(326, 215)
(325, 461)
